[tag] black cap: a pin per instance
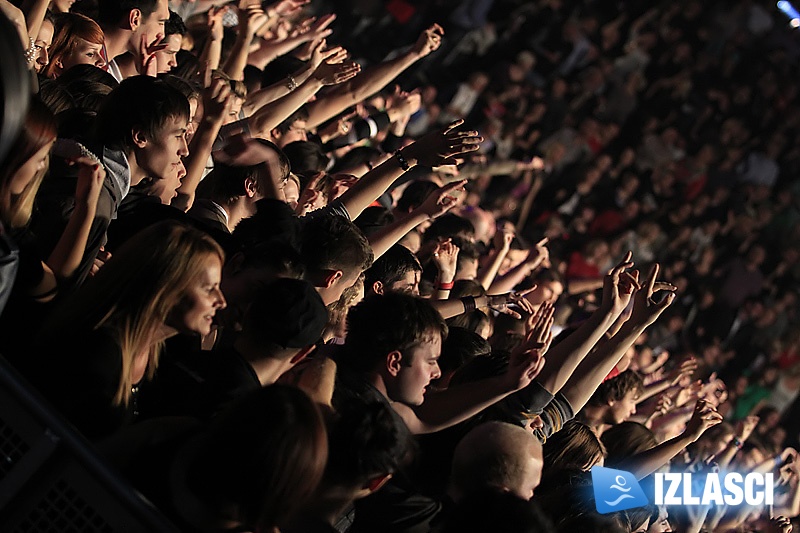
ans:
(289, 313)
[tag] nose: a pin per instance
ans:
(184, 148)
(44, 58)
(437, 372)
(220, 303)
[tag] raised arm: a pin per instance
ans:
(372, 79)
(564, 358)
(539, 255)
(643, 464)
(435, 205)
(595, 367)
(217, 98)
(436, 148)
(212, 51)
(270, 116)
(250, 21)
(456, 404)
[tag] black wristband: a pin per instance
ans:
(469, 303)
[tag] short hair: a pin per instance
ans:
(491, 455)
(461, 346)
(331, 242)
(392, 266)
(189, 89)
(300, 114)
(365, 440)
(360, 155)
(226, 182)
(86, 73)
(616, 388)
(467, 287)
(380, 325)
(415, 194)
(265, 454)
(112, 11)
(473, 321)
(174, 25)
(447, 226)
(306, 157)
(140, 101)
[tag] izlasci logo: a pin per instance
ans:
(616, 490)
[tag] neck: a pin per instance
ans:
(237, 211)
(332, 504)
(116, 41)
(137, 172)
(268, 369)
(592, 416)
(376, 381)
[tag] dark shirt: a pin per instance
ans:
(197, 384)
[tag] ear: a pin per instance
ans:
(393, 362)
(139, 138)
(302, 354)
(330, 277)
(377, 288)
(250, 187)
(275, 134)
(377, 482)
(134, 19)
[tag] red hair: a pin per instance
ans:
(69, 27)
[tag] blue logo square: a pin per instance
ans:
(616, 490)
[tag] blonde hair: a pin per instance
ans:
(39, 130)
(134, 292)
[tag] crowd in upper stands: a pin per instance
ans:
(411, 266)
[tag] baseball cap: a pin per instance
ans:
(288, 312)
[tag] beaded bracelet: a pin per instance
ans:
(402, 160)
(291, 83)
(30, 53)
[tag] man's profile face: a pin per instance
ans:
(531, 474)
(409, 283)
(153, 25)
(414, 378)
(625, 408)
(167, 58)
(159, 157)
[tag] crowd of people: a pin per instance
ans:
(411, 266)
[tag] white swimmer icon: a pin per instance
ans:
(619, 486)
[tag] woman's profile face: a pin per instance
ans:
(195, 312)
(30, 168)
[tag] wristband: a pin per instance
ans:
(469, 303)
(778, 461)
(291, 83)
(736, 442)
(446, 286)
(402, 160)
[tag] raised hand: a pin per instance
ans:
(147, 64)
(428, 41)
(501, 302)
(442, 146)
(91, 175)
(334, 73)
(527, 360)
(539, 325)
(684, 371)
(443, 199)
(645, 308)
(286, 8)
(217, 100)
(539, 255)
(254, 20)
(619, 286)
(704, 416)
(445, 257)
(216, 30)
(745, 427)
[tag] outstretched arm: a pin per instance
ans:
(372, 79)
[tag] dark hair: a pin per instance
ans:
(359, 155)
(187, 88)
(625, 440)
(86, 73)
(574, 447)
(467, 287)
(639, 516)
(492, 510)
(265, 454)
(88, 95)
(474, 321)
(112, 11)
(56, 97)
(140, 101)
(373, 219)
(460, 347)
(188, 65)
(286, 125)
(382, 324)
(365, 440)
(415, 194)
(306, 157)
(174, 25)
(391, 267)
(448, 226)
(616, 388)
(334, 243)
(277, 70)
(227, 183)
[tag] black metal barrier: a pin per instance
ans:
(52, 480)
